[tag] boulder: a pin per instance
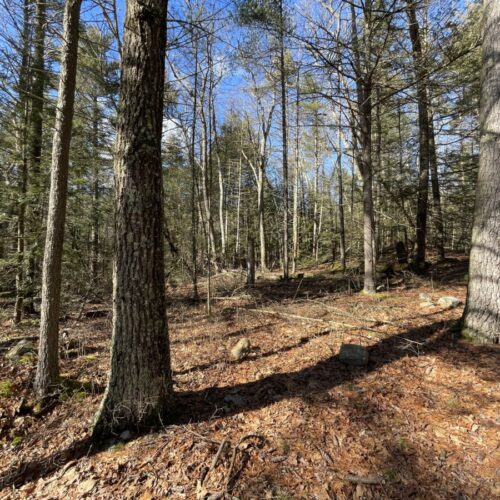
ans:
(450, 302)
(353, 354)
(240, 349)
(20, 349)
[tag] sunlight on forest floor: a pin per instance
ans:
(421, 419)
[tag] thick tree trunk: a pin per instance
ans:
(481, 318)
(140, 386)
(424, 136)
(48, 352)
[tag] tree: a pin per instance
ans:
(22, 111)
(140, 387)
(424, 133)
(48, 352)
(481, 318)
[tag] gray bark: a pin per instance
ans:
(48, 353)
(140, 386)
(482, 311)
(364, 158)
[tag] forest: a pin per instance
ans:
(250, 249)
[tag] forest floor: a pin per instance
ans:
(289, 420)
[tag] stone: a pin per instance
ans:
(240, 349)
(353, 354)
(20, 349)
(450, 302)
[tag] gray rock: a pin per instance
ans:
(353, 354)
(450, 302)
(20, 349)
(425, 297)
(240, 349)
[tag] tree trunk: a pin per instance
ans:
(251, 262)
(139, 390)
(284, 132)
(341, 199)
(23, 92)
(48, 352)
(36, 136)
(260, 208)
(194, 176)
(424, 137)
(295, 209)
(364, 158)
(481, 318)
(315, 234)
(94, 262)
(436, 193)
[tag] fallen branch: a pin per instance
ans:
(336, 311)
(233, 458)
(353, 478)
(334, 323)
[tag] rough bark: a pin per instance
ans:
(424, 136)
(48, 353)
(140, 387)
(481, 318)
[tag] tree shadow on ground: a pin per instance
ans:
(212, 403)
(199, 406)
